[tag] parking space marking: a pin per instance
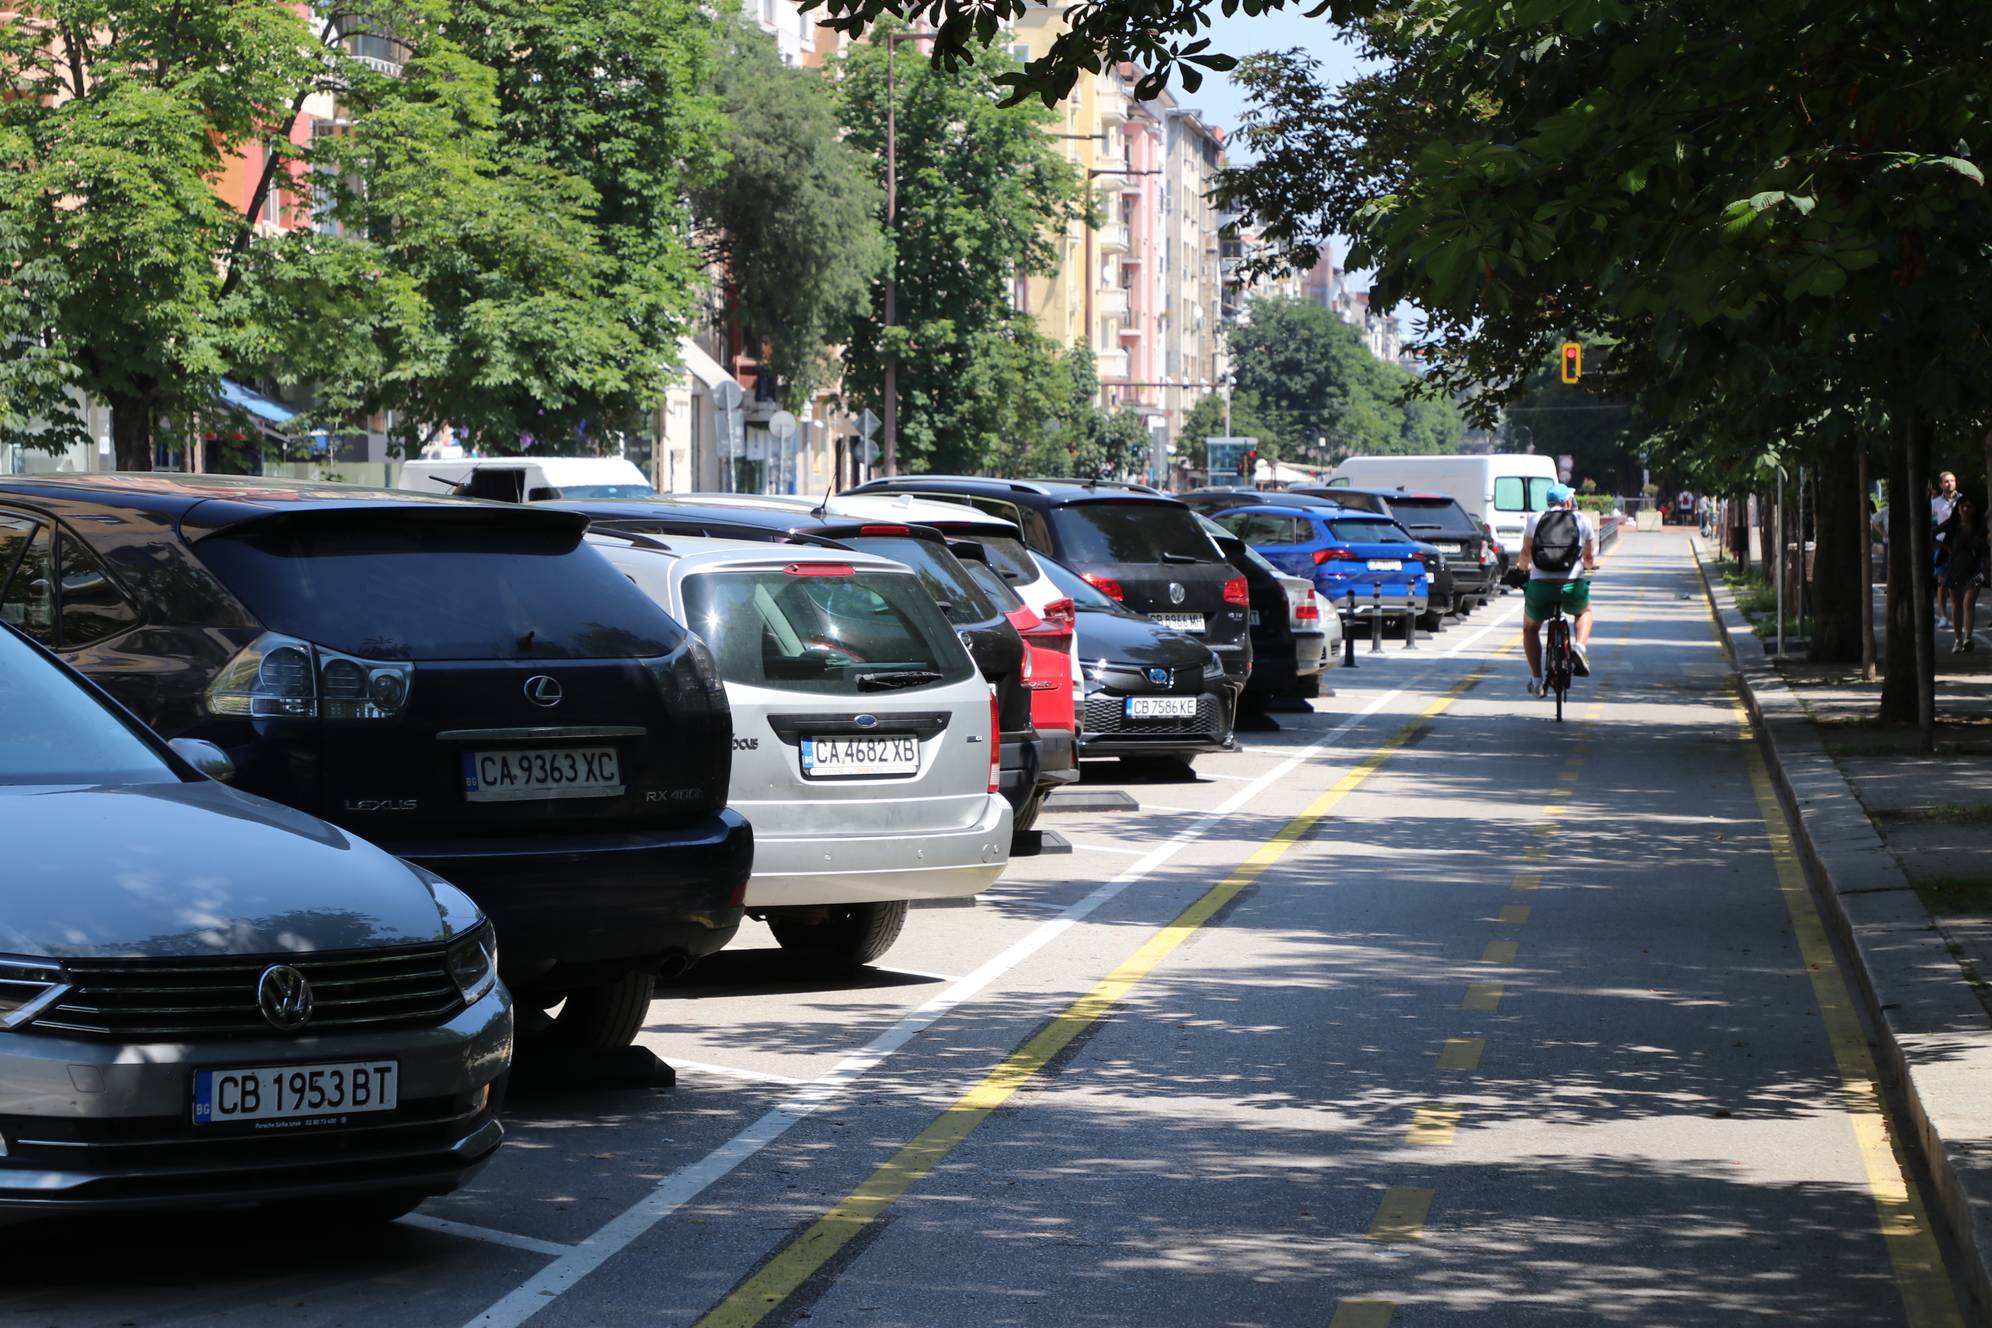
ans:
(755, 1076)
(1108, 848)
(1433, 1126)
(1402, 1214)
(774, 1282)
(489, 1235)
(1462, 1054)
(687, 1183)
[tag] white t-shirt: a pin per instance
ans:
(1587, 537)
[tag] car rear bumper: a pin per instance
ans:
(1059, 750)
(1108, 732)
(580, 899)
(1021, 760)
(105, 1126)
(863, 869)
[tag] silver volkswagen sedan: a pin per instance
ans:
(209, 999)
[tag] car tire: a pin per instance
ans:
(607, 1017)
(851, 937)
(1026, 816)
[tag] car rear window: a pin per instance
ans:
(1368, 532)
(578, 491)
(1008, 556)
(385, 588)
(937, 569)
(1121, 532)
(1518, 493)
(58, 733)
(1439, 515)
(840, 632)
(993, 585)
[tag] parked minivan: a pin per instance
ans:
(523, 479)
(466, 684)
(1500, 490)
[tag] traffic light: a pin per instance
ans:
(1248, 465)
(1573, 361)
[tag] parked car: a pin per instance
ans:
(1130, 542)
(207, 998)
(526, 479)
(998, 650)
(1468, 551)
(1446, 594)
(1310, 625)
(1049, 645)
(1153, 694)
(467, 684)
(1500, 490)
(864, 739)
(1284, 664)
(1361, 563)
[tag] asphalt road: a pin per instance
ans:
(1423, 1010)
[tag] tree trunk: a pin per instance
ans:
(1898, 688)
(1838, 599)
(132, 421)
(1866, 568)
(1920, 610)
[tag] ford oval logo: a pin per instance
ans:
(284, 997)
(1175, 592)
(865, 721)
(1160, 677)
(542, 690)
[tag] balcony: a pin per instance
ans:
(1112, 238)
(1111, 301)
(1111, 365)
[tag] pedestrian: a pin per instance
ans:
(1965, 568)
(1943, 501)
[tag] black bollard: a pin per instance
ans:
(1411, 630)
(1376, 620)
(1349, 633)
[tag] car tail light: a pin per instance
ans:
(1060, 615)
(280, 677)
(1307, 610)
(1106, 585)
(885, 531)
(1323, 555)
(1486, 553)
(1237, 592)
(820, 569)
(995, 746)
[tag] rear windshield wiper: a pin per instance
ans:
(881, 682)
(1185, 558)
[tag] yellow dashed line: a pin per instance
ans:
(1401, 1216)
(1517, 912)
(1500, 952)
(1529, 880)
(1462, 1054)
(1433, 1126)
(1363, 1314)
(1481, 996)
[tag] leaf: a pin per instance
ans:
(1633, 180)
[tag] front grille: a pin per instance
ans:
(1106, 715)
(130, 1000)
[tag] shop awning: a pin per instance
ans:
(701, 365)
(263, 408)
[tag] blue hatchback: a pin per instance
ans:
(1343, 551)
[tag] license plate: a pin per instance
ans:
(1255, 617)
(546, 772)
(885, 754)
(1161, 707)
(1182, 622)
(295, 1092)
(1385, 565)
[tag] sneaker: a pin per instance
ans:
(1581, 660)
(1535, 686)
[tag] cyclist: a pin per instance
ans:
(1559, 553)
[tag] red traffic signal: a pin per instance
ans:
(1573, 361)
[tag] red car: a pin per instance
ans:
(1047, 675)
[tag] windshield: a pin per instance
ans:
(1368, 532)
(1439, 515)
(606, 491)
(1070, 585)
(1122, 532)
(56, 732)
(824, 628)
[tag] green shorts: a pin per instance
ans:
(1540, 597)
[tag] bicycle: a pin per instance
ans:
(1558, 660)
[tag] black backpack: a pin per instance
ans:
(1558, 541)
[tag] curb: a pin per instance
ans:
(1934, 1039)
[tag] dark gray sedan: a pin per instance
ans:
(210, 999)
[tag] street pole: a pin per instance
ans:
(1777, 524)
(890, 456)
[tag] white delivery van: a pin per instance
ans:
(527, 479)
(1500, 489)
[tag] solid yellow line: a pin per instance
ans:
(1920, 1275)
(1516, 912)
(1500, 952)
(1481, 996)
(780, 1277)
(1432, 1126)
(1462, 1054)
(1401, 1216)
(1363, 1314)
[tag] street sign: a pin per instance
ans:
(1564, 464)
(872, 452)
(727, 396)
(868, 425)
(782, 425)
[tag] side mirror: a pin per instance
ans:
(205, 757)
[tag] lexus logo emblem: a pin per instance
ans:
(542, 690)
(284, 997)
(1175, 592)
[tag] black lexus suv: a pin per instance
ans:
(467, 684)
(1132, 543)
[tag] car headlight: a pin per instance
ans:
(473, 963)
(27, 987)
(1214, 669)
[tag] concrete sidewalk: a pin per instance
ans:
(1900, 842)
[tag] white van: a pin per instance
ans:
(1500, 490)
(527, 479)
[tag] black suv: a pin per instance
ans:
(1469, 553)
(994, 643)
(467, 684)
(1133, 543)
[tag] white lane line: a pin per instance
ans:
(733, 1071)
(489, 1235)
(687, 1183)
(1109, 848)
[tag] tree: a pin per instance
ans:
(795, 213)
(1249, 419)
(982, 191)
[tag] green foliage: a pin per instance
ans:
(1249, 419)
(796, 213)
(1321, 394)
(982, 191)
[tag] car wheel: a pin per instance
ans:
(1026, 816)
(607, 1017)
(850, 937)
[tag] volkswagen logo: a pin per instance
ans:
(542, 690)
(865, 721)
(1160, 677)
(284, 997)
(1175, 592)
